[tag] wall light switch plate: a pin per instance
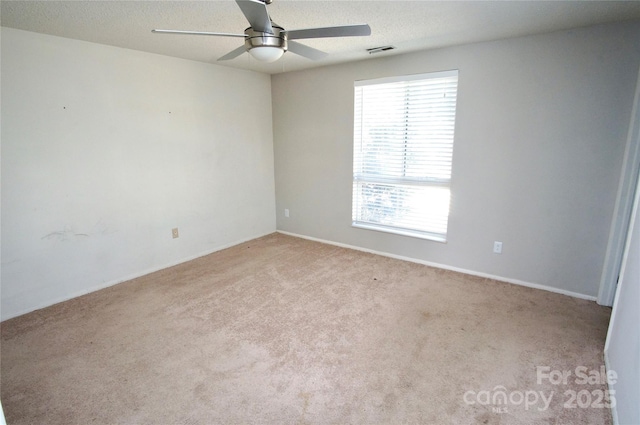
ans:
(174, 233)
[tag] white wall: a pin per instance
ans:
(623, 207)
(540, 136)
(105, 150)
(622, 349)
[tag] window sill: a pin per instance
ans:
(401, 232)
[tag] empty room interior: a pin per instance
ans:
(320, 212)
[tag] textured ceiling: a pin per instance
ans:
(407, 25)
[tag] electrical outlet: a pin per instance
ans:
(174, 233)
(286, 212)
(497, 247)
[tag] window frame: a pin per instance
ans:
(360, 177)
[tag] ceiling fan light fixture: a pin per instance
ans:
(266, 47)
(266, 54)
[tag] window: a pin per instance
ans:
(403, 146)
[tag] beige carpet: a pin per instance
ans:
(282, 330)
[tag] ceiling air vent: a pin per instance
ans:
(379, 49)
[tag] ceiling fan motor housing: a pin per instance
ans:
(262, 39)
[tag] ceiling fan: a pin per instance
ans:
(267, 41)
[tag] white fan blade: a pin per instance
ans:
(221, 34)
(256, 13)
(233, 54)
(306, 51)
(339, 31)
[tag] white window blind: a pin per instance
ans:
(403, 146)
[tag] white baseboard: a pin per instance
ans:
(357, 248)
(614, 408)
(126, 278)
(446, 267)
